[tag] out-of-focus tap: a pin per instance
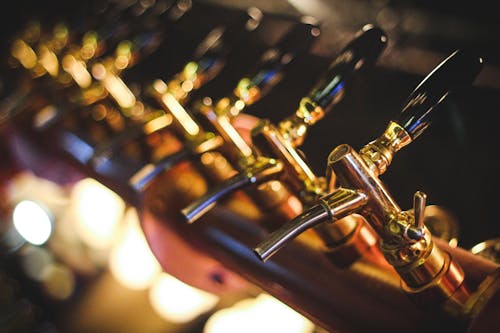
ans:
(122, 32)
(199, 139)
(208, 61)
(63, 61)
(425, 270)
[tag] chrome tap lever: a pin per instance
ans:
(334, 206)
(414, 231)
(264, 170)
(405, 242)
(456, 71)
(419, 202)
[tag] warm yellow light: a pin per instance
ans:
(58, 281)
(131, 261)
(49, 61)
(24, 53)
(262, 314)
(178, 302)
(182, 116)
(114, 85)
(160, 86)
(33, 222)
(98, 211)
(158, 123)
(78, 71)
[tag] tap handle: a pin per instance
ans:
(363, 50)
(269, 70)
(210, 55)
(338, 204)
(456, 71)
(221, 39)
(202, 205)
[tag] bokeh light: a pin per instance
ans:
(32, 221)
(98, 212)
(131, 261)
(263, 314)
(178, 302)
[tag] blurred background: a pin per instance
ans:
(74, 258)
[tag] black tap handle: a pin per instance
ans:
(294, 43)
(457, 71)
(363, 50)
(211, 53)
(222, 39)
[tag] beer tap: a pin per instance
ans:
(274, 155)
(268, 72)
(40, 52)
(355, 187)
(208, 60)
(64, 63)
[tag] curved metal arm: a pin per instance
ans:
(145, 176)
(258, 175)
(338, 204)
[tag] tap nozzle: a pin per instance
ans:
(275, 143)
(264, 170)
(338, 204)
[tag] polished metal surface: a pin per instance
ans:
(338, 204)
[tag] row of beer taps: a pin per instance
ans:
(349, 209)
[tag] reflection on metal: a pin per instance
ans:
(489, 249)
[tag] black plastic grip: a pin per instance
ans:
(212, 52)
(222, 39)
(294, 43)
(363, 50)
(457, 71)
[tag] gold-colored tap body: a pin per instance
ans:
(405, 242)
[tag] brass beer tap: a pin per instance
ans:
(208, 60)
(274, 154)
(355, 187)
(199, 139)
